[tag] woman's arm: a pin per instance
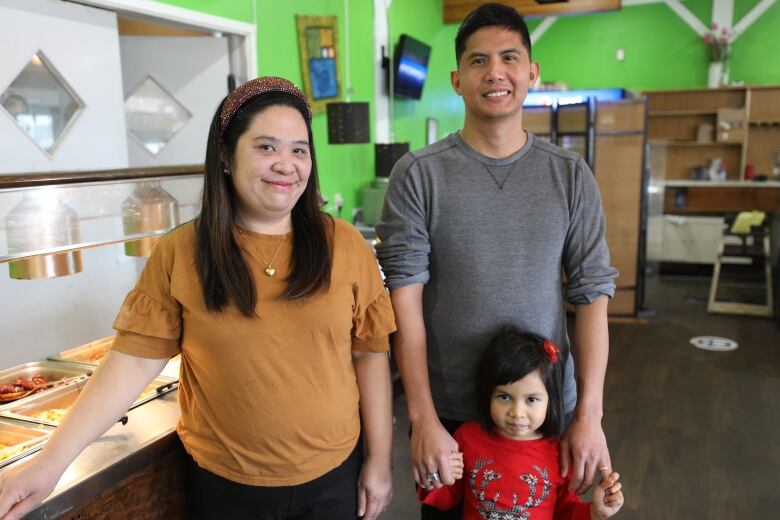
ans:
(375, 486)
(109, 393)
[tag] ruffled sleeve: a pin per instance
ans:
(149, 321)
(373, 326)
(146, 328)
(372, 317)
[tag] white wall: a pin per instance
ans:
(193, 70)
(82, 44)
(42, 317)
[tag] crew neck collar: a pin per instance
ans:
(246, 232)
(490, 161)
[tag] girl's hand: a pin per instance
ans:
(375, 488)
(607, 497)
(456, 465)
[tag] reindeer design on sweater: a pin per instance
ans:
(489, 509)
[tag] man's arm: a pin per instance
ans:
(584, 446)
(431, 445)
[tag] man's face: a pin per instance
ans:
(494, 73)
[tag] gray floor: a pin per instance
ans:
(693, 433)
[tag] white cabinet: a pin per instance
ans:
(689, 239)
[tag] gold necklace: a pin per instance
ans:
(269, 270)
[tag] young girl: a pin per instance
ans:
(508, 468)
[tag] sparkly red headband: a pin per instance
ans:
(254, 88)
(552, 351)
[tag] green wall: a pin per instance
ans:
(343, 169)
(661, 51)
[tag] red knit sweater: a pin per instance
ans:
(505, 479)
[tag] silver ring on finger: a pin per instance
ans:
(433, 477)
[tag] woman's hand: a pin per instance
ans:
(607, 497)
(375, 488)
(375, 483)
(25, 485)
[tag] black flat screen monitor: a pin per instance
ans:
(411, 67)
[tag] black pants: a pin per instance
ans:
(332, 496)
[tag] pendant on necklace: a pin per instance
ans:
(270, 271)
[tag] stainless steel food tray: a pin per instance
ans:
(23, 439)
(55, 373)
(65, 396)
(91, 353)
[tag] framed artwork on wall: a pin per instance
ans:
(319, 59)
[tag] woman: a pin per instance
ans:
(282, 321)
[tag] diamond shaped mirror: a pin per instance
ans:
(153, 115)
(41, 103)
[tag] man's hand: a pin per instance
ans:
(583, 450)
(608, 496)
(431, 446)
(375, 488)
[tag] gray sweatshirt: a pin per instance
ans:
(490, 239)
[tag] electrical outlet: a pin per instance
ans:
(338, 200)
(620, 55)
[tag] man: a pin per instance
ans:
(475, 234)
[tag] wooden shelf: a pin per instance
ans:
(693, 143)
(676, 113)
(726, 184)
(768, 123)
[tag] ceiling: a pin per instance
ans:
(456, 10)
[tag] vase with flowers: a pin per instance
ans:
(718, 39)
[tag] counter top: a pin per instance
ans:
(122, 450)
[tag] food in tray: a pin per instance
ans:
(97, 355)
(22, 387)
(91, 352)
(150, 390)
(56, 415)
(94, 355)
(11, 452)
(53, 415)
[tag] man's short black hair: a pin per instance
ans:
(488, 15)
(512, 355)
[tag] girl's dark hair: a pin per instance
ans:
(491, 15)
(224, 273)
(512, 355)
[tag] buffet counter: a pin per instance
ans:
(134, 470)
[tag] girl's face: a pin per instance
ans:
(519, 409)
(271, 165)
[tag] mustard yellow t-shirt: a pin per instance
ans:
(270, 400)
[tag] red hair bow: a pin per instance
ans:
(552, 351)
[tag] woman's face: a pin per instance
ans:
(271, 166)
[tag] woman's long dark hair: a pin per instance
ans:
(224, 273)
(512, 355)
